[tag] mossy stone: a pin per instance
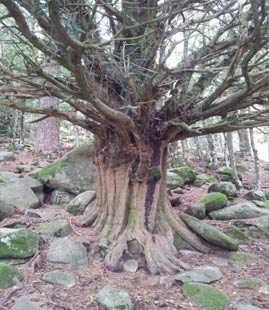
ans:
(197, 210)
(186, 172)
(241, 259)
(50, 170)
(206, 296)
(17, 243)
(228, 171)
(214, 201)
(174, 180)
(238, 234)
(249, 283)
(9, 276)
(210, 233)
(180, 243)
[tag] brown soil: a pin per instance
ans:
(145, 290)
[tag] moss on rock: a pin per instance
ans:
(50, 170)
(249, 283)
(186, 172)
(210, 233)
(214, 201)
(9, 276)
(241, 259)
(205, 295)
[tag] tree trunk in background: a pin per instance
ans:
(224, 149)
(244, 143)
(185, 151)
(199, 149)
(256, 159)
(229, 139)
(48, 134)
(212, 152)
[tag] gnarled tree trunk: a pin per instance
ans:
(132, 204)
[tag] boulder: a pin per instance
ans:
(57, 227)
(130, 265)
(241, 259)
(61, 198)
(110, 298)
(73, 173)
(17, 243)
(66, 251)
(214, 201)
(243, 305)
(255, 195)
(6, 210)
(59, 278)
(210, 233)
(226, 188)
(197, 210)
(78, 205)
(9, 276)
(174, 181)
(226, 174)
(204, 274)
(249, 283)
(186, 173)
(17, 194)
(27, 303)
(238, 211)
(203, 179)
(7, 156)
(205, 295)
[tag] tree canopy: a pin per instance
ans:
(157, 67)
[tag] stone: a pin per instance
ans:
(57, 227)
(110, 298)
(197, 210)
(210, 233)
(243, 305)
(7, 156)
(180, 243)
(32, 213)
(26, 303)
(249, 283)
(78, 205)
(60, 197)
(59, 277)
(74, 172)
(255, 195)
(17, 243)
(220, 261)
(174, 181)
(227, 171)
(239, 211)
(130, 265)
(6, 210)
(202, 179)
(264, 289)
(261, 204)
(17, 194)
(205, 274)
(9, 276)
(185, 172)
(214, 201)
(240, 259)
(66, 251)
(206, 296)
(6, 176)
(238, 234)
(226, 188)
(166, 281)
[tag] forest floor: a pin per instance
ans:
(145, 290)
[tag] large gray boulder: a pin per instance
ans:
(57, 227)
(69, 252)
(114, 299)
(59, 277)
(27, 303)
(6, 210)
(17, 243)
(7, 156)
(239, 211)
(18, 194)
(73, 173)
(226, 188)
(206, 274)
(255, 195)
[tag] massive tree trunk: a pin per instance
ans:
(132, 205)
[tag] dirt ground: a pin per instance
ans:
(145, 290)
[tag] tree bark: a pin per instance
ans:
(235, 177)
(256, 160)
(132, 205)
(244, 143)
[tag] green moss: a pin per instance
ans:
(228, 171)
(211, 179)
(241, 259)
(181, 244)
(205, 295)
(238, 234)
(154, 174)
(50, 170)
(214, 201)
(73, 209)
(249, 283)
(186, 173)
(9, 276)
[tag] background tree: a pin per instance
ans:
(120, 71)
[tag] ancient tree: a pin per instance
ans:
(141, 74)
